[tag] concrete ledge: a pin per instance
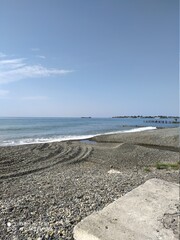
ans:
(136, 216)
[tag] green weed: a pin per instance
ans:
(167, 166)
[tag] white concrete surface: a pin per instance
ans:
(138, 215)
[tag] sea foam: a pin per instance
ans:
(67, 138)
(140, 129)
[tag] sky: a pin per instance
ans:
(99, 58)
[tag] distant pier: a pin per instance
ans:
(162, 121)
(156, 119)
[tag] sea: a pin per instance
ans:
(21, 130)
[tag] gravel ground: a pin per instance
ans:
(46, 189)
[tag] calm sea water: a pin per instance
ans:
(15, 131)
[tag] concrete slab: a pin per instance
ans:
(136, 216)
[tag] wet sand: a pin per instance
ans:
(46, 189)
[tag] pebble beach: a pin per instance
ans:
(46, 189)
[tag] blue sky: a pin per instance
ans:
(89, 58)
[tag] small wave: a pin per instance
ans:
(67, 138)
(43, 140)
(140, 129)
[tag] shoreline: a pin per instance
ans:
(47, 188)
(77, 137)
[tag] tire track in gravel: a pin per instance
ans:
(42, 158)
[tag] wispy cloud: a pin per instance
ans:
(12, 63)
(17, 69)
(34, 98)
(41, 56)
(35, 49)
(2, 55)
(3, 93)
